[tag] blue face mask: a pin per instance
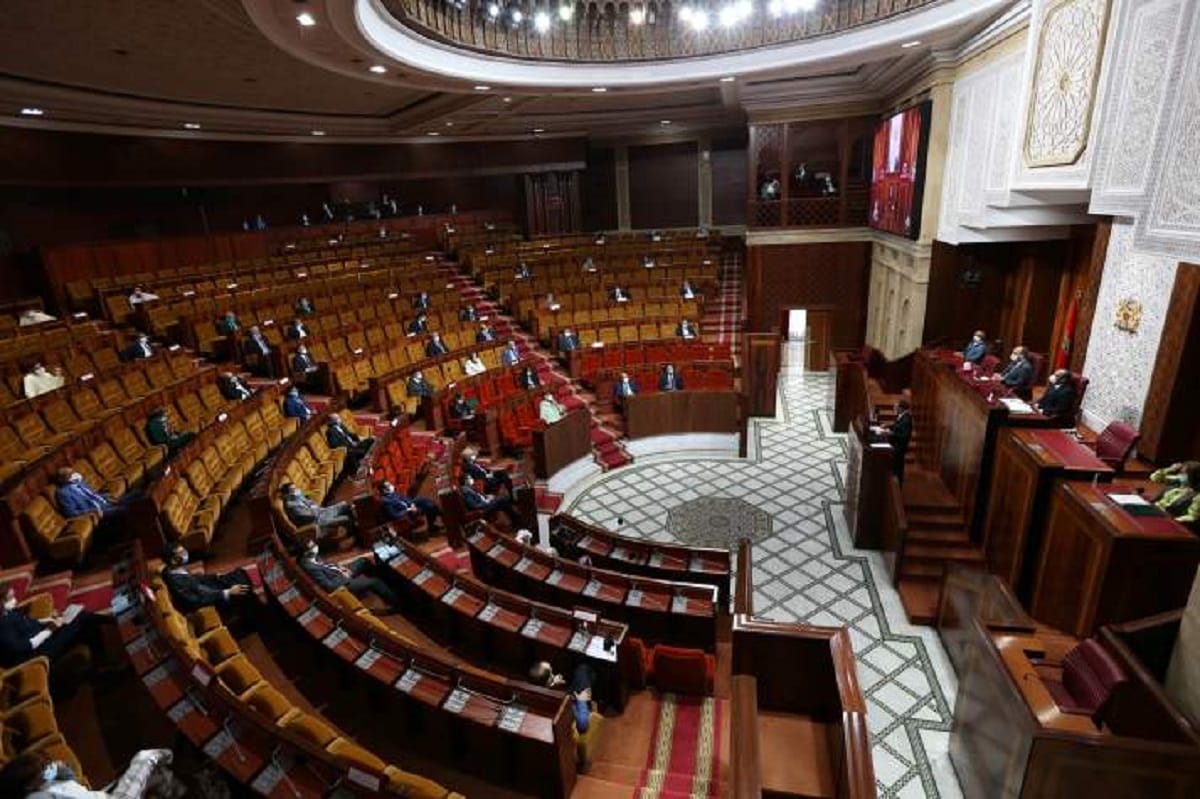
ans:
(50, 773)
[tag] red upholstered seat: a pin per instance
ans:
(636, 665)
(683, 671)
(1116, 443)
(990, 364)
(1090, 676)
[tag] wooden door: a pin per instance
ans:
(817, 345)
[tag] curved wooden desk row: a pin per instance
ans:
(586, 362)
(507, 628)
(669, 412)
(660, 611)
(385, 389)
(267, 759)
(610, 550)
(507, 731)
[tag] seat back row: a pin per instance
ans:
(389, 389)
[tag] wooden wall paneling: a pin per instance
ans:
(730, 180)
(600, 190)
(1123, 767)
(1010, 509)
(664, 185)
(1089, 290)
(1170, 425)
(760, 373)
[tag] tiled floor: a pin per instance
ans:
(806, 570)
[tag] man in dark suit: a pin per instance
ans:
(468, 314)
(1018, 375)
(898, 435)
(23, 637)
(419, 325)
(190, 592)
(1059, 398)
(567, 340)
(138, 349)
(418, 386)
(625, 387)
(493, 479)
(618, 295)
(233, 387)
(258, 352)
(304, 307)
(976, 349)
(421, 301)
(304, 367)
(338, 436)
(161, 433)
(359, 577)
(460, 409)
(294, 406)
(397, 507)
(485, 334)
(296, 331)
(685, 329)
(687, 291)
(528, 379)
(228, 324)
(668, 380)
(435, 346)
(487, 504)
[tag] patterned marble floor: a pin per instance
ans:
(806, 570)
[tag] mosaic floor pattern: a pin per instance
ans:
(805, 569)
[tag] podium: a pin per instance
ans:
(562, 443)
(869, 490)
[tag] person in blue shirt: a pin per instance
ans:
(487, 504)
(510, 355)
(567, 340)
(625, 387)
(229, 324)
(295, 407)
(580, 689)
(485, 334)
(419, 325)
(397, 507)
(976, 349)
(435, 346)
(75, 497)
(668, 380)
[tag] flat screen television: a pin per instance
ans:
(898, 171)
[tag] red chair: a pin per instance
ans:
(657, 352)
(1115, 444)
(633, 354)
(635, 659)
(613, 357)
(683, 671)
(1090, 677)
(592, 362)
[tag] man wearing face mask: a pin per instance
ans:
(138, 349)
(1018, 375)
(976, 349)
(1059, 397)
(40, 380)
(33, 775)
(898, 434)
(233, 387)
(23, 637)
(190, 592)
(397, 507)
(304, 367)
(303, 511)
(685, 330)
(668, 380)
(75, 497)
(358, 577)
(295, 407)
(625, 388)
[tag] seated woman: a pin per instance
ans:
(40, 380)
(474, 365)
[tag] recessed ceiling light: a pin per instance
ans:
(541, 22)
(306, 19)
(433, 133)
(637, 16)
(665, 122)
(379, 69)
(482, 88)
(508, 99)
(913, 43)
(728, 79)
(192, 125)
(539, 130)
(599, 89)
(32, 112)
(318, 133)
(449, 124)
(565, 12)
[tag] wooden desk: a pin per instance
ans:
(1101, 564)
(668, 412)
(562, 443)
(868, 490)
(1026, 463)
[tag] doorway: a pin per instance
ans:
(806, 333)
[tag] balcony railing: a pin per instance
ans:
(832, 211)
(634, 31)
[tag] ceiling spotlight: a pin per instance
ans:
(318, 133)
(685, 13)
(775, 8)
(508, 99)
(665, 122)
(192, 125)
(379, 69)
(31, 112)
(637, 16)
(728, 79)
(565, 12)
(493, 10)
(541, 22)
(699, 20)
(449, 124)
(599, 89)
(807, 5)
(433, 133)
(728, 16)
(482, 88)
(910, 45)
(306, 19)
(517, 15)
(539, 130)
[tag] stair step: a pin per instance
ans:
(922, 569)
(936, 537)
(920, 599)
(964, 553)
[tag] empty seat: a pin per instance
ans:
(59, 539)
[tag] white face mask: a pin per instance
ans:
(76, 477)
(183, 557)
(10, 600)
(50, 773)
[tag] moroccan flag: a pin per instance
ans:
(1063, 357)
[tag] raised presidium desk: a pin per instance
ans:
(1026, 463)
(1109, 556)
(661, 611)
(562, 443)
(667, 412)
(956, 417)
(874, 503)
(574, 538)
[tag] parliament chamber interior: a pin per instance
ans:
(581, 400)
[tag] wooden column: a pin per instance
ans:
(1170, 426)
(621, 165)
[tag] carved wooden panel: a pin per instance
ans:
(1169, 421)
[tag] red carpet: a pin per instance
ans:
(686, 755)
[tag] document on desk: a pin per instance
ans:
(71, 612)
(1128, 499)
(1015, 405)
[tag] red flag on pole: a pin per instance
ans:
(1062, 358)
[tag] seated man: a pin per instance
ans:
(647, 261)
(421, 301)
(33, 774)
(668, 380)
(460, 409)
(435, 346)
(74, 497)
(528, 379)
(23, 637)
(418, 386)
(138, 349)
(976, 349)
(304, 307)
(140, 295)
(685, 329)
(161, 432)
(190, 592)
(359, 577)
(552, 304)
(228, 324)
(338, 436)
(485, 334)
(567, 340)
(1059, 397)
(551, 410)
(492, 478)
(488, 504)
(304, 366)
(687, 291)
(33, 316)
(40, 380)
(588, 264)
(618, 295)
(303, 511)
(397, 507)
(419, 325)
(468, 314)
(474, 365)
(258, 353)
(625, 388)
(296, 331)
(580, 689)
(510, 355)
(523, 272)
(233, 387)
(1018, 375)
(294, 406)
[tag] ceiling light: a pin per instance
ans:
(665, 122)
(449, 124)
(517, 15)
(32, 112)
(775, 8)
(565, 12)
(493, 10)
(599, 89)
(306, 19)
(482, 88)
(908, 45)
(433, 133)
(728, 79)
(699, 20)
(508, 99)
(637, 16)
(541, 22)
(318, 133)
(379, 69)
(192, 125)
(685, 13)
(539, 130)
(728, 16)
